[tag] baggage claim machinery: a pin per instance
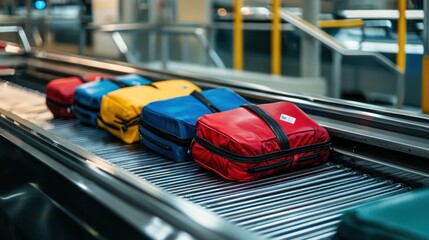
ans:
(61, 178)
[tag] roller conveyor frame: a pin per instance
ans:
(363, 140)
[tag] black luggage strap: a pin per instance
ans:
(275, 126)
(123, 85)
(115, 81)
(205, 101)
(83, 79)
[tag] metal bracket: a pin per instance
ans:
(21, 33)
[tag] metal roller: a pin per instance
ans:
(335, 199)
(286, 198)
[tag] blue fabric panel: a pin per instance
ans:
(159, 144)
(178, 116)
(88, 96)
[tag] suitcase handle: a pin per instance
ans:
(122, 85)
(115, 81)
(200, 97)
(275, 126)
(83, 79)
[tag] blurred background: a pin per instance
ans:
(345, 49)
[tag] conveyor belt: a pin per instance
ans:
(306, 204)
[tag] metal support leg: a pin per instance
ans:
(37, 37)
(164, 50)
(82, 39)
(310, 47)
(335, 88)
(152, 46)
(211, 53)
(123, 48)
(28, 21)
(24, 39)
(400, 90)
(185, 48)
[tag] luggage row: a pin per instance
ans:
(217, 128)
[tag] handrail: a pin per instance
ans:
(21, 33)
(129, 27)
(331, 42)
(339, 48)
(382, 14)
(190, 29)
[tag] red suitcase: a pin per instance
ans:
(253, 141)
(60, 94)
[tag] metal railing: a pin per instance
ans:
(21, 33)
(30, 24)
(200, 31)
(339, 50)
(293, 22)
(196, 30)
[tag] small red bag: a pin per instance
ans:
(253, 141)
(60, 94)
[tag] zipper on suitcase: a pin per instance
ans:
(263, 157)
(281, 163)
(108, 124)
(150, 139)
(166, 135)
(125, 124)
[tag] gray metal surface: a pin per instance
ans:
(301, 205)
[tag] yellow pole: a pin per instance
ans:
(425, 84)
(276, 38)
(238, 36)
(402, 34)
(425, 60)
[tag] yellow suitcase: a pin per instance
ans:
(120, 109)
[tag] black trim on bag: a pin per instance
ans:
(200, 97)
(115, 81)
(274, 126)
(123, 85)
(108, 124)
(165, 135)
(259, 158)
(81, 105)
(281, 163)
(156, 142)
(83, 79)
(57, 105)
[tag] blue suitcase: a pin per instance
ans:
(87, 99)
(168, 126)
